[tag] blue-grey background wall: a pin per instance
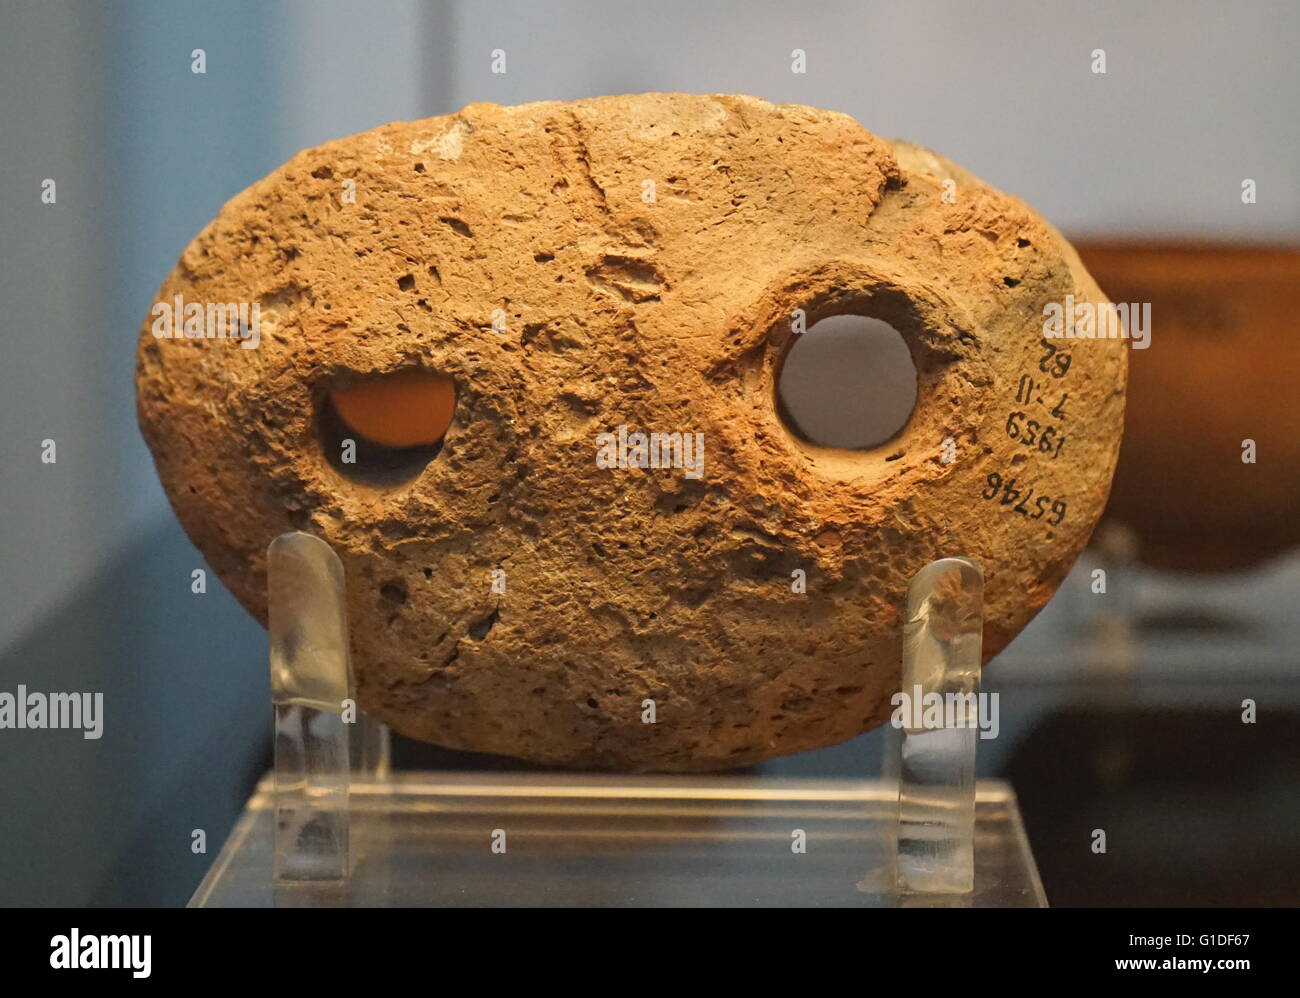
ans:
(96, 595)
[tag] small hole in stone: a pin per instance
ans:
(393, 592)
(480, 629)
(1022, 243)
(847, 382)
(406, 283)
(419, 168)
(383, 430)
(1010, 282)
(458, 226)
(543, 257)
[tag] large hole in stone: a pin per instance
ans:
(847, 382)
(382, 430)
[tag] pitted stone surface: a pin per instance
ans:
(671, 315)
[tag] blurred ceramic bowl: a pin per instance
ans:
(1221, 369)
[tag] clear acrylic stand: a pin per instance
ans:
(316, 833)
(942, 643)
(320, 736)
(929, 768)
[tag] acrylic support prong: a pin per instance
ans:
(942, 644)
(372, 750)
(310, 679)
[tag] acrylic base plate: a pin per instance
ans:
(426, 839)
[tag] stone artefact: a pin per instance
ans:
(631, 262)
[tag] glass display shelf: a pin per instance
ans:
(553, 840)
(333, 826)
